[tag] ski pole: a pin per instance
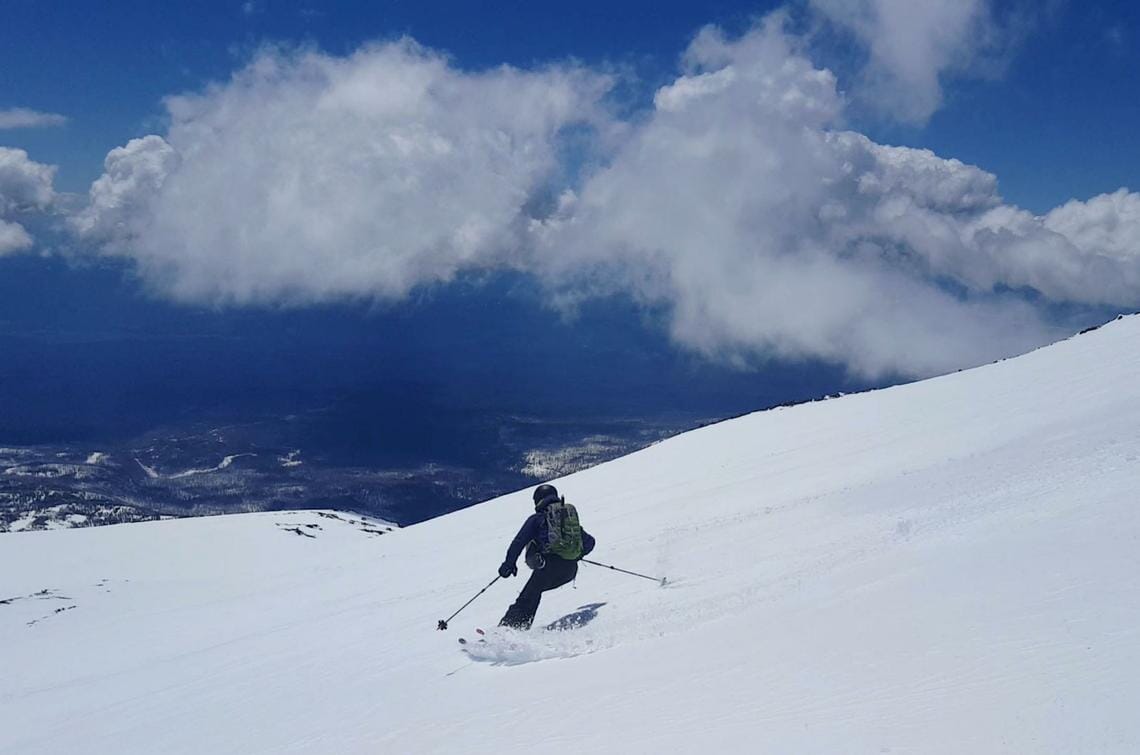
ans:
(623, 571)
(443, 622)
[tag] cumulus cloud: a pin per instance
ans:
(911, 45)
(25, 187)
(20, 117)
(13, 238)
(1108, 225)
(117, 211)
(944, 220)
(737, 205)
(762, 231)
(309, 177)
(24, 183)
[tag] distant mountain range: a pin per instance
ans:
(253, 466)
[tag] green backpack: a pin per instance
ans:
(560, 533)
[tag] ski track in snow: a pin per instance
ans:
(951, 566)
(505, 648)
(224, 464)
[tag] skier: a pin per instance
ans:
(554, 541)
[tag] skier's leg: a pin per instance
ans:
(559, 571)
(521, 613)
(555, 573)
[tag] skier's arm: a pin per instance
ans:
(528, 532)
(587, 543)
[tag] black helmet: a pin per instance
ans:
(544, 493)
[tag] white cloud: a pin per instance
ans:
(309, 177)
(1107, 225)
(677, 95)
(24, 183)
(13, 238)
(119, 201)
(25, 187)
(945, 220)
(912, 45)
(737, 205)
(764, 232)
(20, 117)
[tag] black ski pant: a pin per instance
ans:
(556, 572)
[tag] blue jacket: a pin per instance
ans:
(530, 532)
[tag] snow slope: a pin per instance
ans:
(951, 566)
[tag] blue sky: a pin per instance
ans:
(717, 219)
(108, 66)
(1057, 123)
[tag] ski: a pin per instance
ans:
(478, 631)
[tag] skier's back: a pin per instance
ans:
(554, 541)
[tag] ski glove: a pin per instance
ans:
(508, 570)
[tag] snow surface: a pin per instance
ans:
(951, 566)
(291, 459)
